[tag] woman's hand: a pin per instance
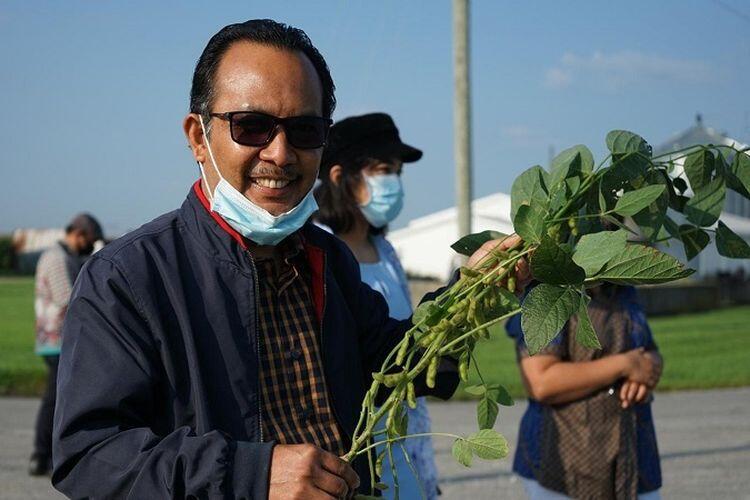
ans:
(643, 367)
(633, 393)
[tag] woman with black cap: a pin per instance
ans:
(360, 192)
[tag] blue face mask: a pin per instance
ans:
(386, 199)
(253, 222)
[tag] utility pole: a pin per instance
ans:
(462, 114)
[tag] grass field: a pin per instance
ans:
(702, 350)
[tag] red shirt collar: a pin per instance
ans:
(219, 220)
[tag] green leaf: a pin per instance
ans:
(694, 239)
(570, 162)
(400, 421)
(738, 179)
(558, 197)
(475, 390)
(699, 168)
(471, 242)
(544, 313)
(632, 202)
(529, 188)
(551, 263)
(729, 244)
(585, 334)
(487, 411)
(680, 184)
(381, 486)
(640, 265)
(529, 222)
(428, 311)
(602, 201)
(488, 444)
(623, 142)
(678, 202)
(704, 208)
(462, 452)
(595, 250)
(499, 394)
(651, 219)
(672, 228)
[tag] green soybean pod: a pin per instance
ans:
(411, 396)
(511, 284)
(463, 366)
(401, 354)
(392, 379)
(389, 422)
(432, 372)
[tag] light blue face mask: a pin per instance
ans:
(253, 222)
(386, 199)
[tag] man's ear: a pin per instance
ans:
(335, 173)
(191, 125)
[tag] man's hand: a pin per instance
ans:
(522, 273)
(304, 471)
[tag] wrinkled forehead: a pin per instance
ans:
(257, 77)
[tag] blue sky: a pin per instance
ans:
(93, 93)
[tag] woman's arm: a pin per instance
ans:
(552, 381)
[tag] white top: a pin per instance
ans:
(387, 277)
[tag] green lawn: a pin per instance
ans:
(702, 350)
(21, 371)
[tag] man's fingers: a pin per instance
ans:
(509, 241)
(340, 468)
(331, 484)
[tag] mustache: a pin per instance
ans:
(289, 173)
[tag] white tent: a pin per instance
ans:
(424, 244)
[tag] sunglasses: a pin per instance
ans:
(251, 128)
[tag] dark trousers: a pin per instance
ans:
(43, 438)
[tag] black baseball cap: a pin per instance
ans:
(373, 133)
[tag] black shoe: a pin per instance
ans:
(40, 465)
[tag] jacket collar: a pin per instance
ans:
(227, 244)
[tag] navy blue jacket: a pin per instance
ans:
(158, 387)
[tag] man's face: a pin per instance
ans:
(80, 242)
(254, 77)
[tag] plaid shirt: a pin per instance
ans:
(296, 406)
(55, 273)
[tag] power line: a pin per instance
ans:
(733, 10)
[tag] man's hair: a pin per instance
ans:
(265, 32)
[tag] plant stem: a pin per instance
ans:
(401, 438)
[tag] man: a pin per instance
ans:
(55, 273)
(203, 349)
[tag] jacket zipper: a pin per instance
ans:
(322, 351)
(257, 347)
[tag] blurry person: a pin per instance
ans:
(588, 431)
(56, 272)
(359, 194)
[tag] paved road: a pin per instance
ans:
(704, 437)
